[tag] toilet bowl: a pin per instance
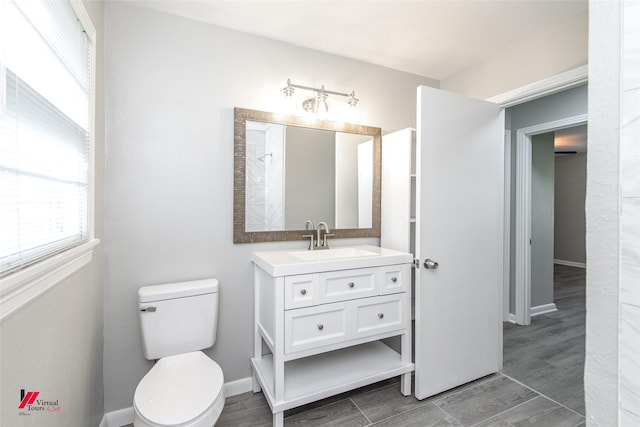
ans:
(184, 388)
(180, 391)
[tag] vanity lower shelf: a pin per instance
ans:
(317, 377)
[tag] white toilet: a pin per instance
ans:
(185, 387)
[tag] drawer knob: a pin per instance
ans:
(381, 315)
(320, 326)
(351, 284)
(303, 291)
(394, 279)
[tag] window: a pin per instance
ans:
(46, 131)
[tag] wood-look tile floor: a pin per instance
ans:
(541, 383)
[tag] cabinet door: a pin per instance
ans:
(460, 191)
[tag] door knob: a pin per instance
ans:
(430, 264)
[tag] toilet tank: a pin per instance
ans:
(178, 318)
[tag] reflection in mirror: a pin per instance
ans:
(327, 177)
(289, 171)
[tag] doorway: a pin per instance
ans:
(523, 209)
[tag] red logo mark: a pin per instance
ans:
(27, 399)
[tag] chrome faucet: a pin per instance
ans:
(324, 244)
(309, 226)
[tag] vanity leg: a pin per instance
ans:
(405, 384)
(278, 419)
(405, 344)
(255, 383)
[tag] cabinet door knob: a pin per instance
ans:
(320, 326)
(303, 291)
(351, 284)
(394, 279)
(381, 315)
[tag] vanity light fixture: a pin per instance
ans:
(317, 104)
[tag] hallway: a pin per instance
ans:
(548, 355)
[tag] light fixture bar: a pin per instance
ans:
(318, 103)
(317, 90)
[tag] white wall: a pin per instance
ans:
(569, 226)
(612, 373)
(552, 51)
(54, 344)
(172, 85)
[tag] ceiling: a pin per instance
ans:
(431, 38)
(571, 139)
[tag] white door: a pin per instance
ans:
(460, 197)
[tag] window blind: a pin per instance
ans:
(44, 131)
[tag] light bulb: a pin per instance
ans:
(288, 103)
(322, 108)
(353, 114)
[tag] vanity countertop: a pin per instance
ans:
(289, 262)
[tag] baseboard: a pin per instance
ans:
(535, 311)
(542, 309)
(118, 418)
(236, 387)
(123, 417)
(570, 263)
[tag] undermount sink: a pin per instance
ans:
(330, 254)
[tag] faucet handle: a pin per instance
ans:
(309, 236)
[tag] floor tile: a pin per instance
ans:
(247, 410)
(494, 422)
(427, 415)
(385, 402)
(541, 412)
(485, 400)
(342, 413)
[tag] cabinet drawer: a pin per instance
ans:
(373, 316)
(314, 327)
(394, 279)
(350, 284)
(300, 291)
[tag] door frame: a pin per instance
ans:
(548, 86)
(523, 166)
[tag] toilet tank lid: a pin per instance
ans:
(177, 290)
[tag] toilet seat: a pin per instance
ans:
(182, 390)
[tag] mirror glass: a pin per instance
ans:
(290, 169)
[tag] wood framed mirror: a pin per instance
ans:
(289, 169)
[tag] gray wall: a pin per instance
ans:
(570, 189)
(569, 103)
(542, 173)
(310, 177)
(172, 85)
(55, 343)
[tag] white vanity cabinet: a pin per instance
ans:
(318, 324)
